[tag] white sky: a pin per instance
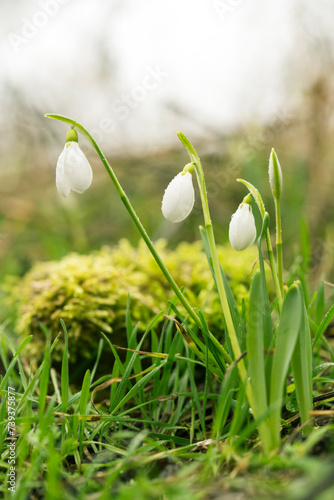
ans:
(224, 62)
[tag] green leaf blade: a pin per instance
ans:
(255, 345)
(285, 344)
(302, 366)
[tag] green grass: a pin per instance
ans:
(162, 426)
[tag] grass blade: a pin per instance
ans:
(13, 361)
(323, 325)
(64, 379)
(228, 389)
(136, 388)
(44, 380)
(84, 398)
(235, 313)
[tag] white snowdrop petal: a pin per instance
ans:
(179, 198)
(62, 186)
(242, 230)
(78, 172)
(73, 170)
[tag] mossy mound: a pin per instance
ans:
(90, 292)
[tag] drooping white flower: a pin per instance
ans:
(242, 230)
(73, 170)
(179, 198)
(275, 175)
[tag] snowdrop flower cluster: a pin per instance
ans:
(178, 202)
(73, 170)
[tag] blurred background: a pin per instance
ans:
(238, 77)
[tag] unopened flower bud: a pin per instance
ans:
(275, 175)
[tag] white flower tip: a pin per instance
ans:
(179, 198)
(73, 170)
(242, 229)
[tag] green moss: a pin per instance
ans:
(90, 292)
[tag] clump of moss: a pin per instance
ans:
(90, 292)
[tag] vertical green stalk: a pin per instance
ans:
(279, 290)
(279, 249)
(215, 261)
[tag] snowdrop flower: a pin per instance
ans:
(179, 197)
(242, 230)
(73, 169)
(275, 175)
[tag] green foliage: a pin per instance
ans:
(151, 445)
(90, 292)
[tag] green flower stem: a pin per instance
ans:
(273, 271)
(263, 427)
(264, 430)
(279, 249)
(141, 228)
(215, 262)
